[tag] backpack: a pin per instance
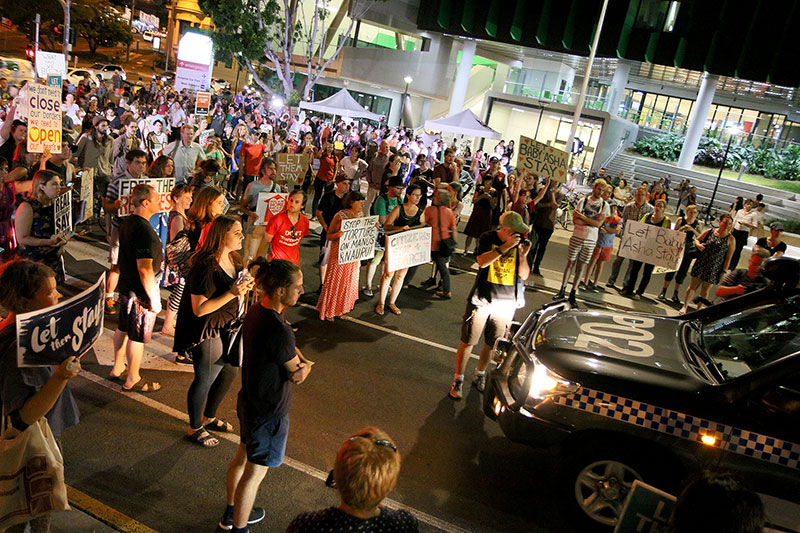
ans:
(385, 199)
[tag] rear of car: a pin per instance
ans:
(16, 70)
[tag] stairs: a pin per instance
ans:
(622, 163)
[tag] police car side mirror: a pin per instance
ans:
(513, 329)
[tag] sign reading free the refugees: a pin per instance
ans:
(409, 248)
(655, 245)
(358, 239)
(70, 328)
(163, 187)
(542, 160)
(44, 118)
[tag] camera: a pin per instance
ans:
(522, 240)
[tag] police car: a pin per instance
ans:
(628, 396)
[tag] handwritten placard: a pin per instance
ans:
(646, 510)
(49, 336)
(654, 245)
(44, 118)
(358, 239)
(269, 205)
(87, 193)
(292, 168)
(62, 207)
(408, 248)
(163, 187)
(542, 160)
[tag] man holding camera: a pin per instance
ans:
(496, 295)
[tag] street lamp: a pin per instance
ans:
(408, 80)
(732, 131)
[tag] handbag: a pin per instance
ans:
(446, 246)
(233, 353)
(178, 252)
(31, 475)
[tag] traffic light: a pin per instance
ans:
(30, 53)
(57, 29)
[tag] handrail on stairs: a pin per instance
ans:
(614, 153)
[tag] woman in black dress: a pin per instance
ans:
(716, 246)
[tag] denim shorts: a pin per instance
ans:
(265, 441)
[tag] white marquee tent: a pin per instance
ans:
(342, 104)
(465, 123)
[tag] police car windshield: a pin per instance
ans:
(754, 338)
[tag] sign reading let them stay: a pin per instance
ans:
(44, 118)
(408, 248)
(163, 187)
(542, 160)
(49, 336)
(358, 239)
(655, 245)
(291, 167)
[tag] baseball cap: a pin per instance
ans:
(777, 226)
(513, 221)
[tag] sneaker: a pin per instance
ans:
(662, 297)
(636, 296)
(676, 299)
(537, 272)
(111, 306)
(367, 292)
(560, 295)
(582, 286)
(184, 359)
(591, 286)
(611, 285)
(479, 382)
(572, 301)
(256, 516)
(456, 390)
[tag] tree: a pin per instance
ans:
(267, 33)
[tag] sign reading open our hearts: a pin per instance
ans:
(269, 205)
(543, 160)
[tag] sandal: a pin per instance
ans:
(379, 309)
(203, 438)
(142, 386)
(394, 309)
(219, 425)
(445, 295)
(121, 376)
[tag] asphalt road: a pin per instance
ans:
(459, 472)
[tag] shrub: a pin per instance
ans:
(666, 147)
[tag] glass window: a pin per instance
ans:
(682, 115)
(647, 110)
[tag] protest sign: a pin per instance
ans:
(408, 248)
(358, 239)
(646, 510)
(202, 103)
(291, 167)
(87, 193)
(62, 207)
(163, 187)
(50, 63)
(54, 80)
(654, 245)
(269, 205)
(44, 118)
(49, 336)
(542, 160)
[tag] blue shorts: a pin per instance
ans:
(265, 442)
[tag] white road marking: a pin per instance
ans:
(288, 461)
(158, 353)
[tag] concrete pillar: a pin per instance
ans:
(424, 110)
(462, 77)
(500, 77)
(617, 89)
(697, 120)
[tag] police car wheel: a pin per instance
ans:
(601, 488)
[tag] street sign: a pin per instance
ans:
(50, 63)
(202, 103)
(195, 62)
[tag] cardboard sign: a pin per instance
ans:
(50, 63)
(408, 248)
(292, 168)
(269, 205)
(202, 103)
(49, 336)
(358, 239)
(646, 510)
(63, 214)
(163, 187)
(542, 160)
(652, 244)
(87, 193)
(44, 118)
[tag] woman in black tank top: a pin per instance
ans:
(403, 217)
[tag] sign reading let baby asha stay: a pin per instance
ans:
(44, 118)
(542, 160)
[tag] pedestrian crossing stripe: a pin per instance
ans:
(684, 426)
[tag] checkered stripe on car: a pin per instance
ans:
(684, 426)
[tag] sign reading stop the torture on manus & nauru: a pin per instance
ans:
(291, 167)
(358, 239)
(408, 248)
(62, 221)
(44, 118)
(542, 160)
(163, 187)
(269, 205)
(49, 336)
(655, 245)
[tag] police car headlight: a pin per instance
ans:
(544, 382)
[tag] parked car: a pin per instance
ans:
(219, 84)
(107, 70)
(76, 76)
(168, 76)
(16, 70)
(629, 396)
(147, 36)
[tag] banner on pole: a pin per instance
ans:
(163, 187)
(44, 118)
(662, 247)
(269, 205)
(408, 248)
(542, 160)
(291, 167)
(62, 207)
(358, 239)
(70, 328)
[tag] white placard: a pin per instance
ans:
(163, 187)
(358, 239)
(269, 205)
(408, 248)
(62, 221)
(655, 245)
(50, 63)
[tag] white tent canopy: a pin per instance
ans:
(341, 103)
(465, 123)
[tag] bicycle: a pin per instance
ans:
(564, 213)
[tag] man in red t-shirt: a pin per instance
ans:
(285, 230)
(445, 172)
(252, 154)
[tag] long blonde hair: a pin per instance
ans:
(40, 179)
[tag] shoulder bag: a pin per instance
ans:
(446, 246)
(178, 252)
